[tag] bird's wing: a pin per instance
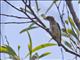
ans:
(59, 30)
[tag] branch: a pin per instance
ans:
(15, 22)
(12, 5)
(15, 16)
(61, 15)
(67, 50)
(75, 18)
(34, 14)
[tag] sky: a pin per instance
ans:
(38, 35)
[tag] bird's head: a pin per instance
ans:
(49, 18)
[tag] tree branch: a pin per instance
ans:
(15, 16)
(15, 22)
(75, 18)
(34, 14)
(61, 16)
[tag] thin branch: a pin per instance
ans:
(30, 3)
(23, 12)
(60, 16)
(15, 16)
(75, 18)
(67, 50)
(12, 5)
(6, 40)
(49, 7)
(62, 54)
(15, 22)
(34, 15)
(37, 6)
(63, 10)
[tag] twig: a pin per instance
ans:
(37, 7)
(30, 3)
(62, 54)
(63, 10)
(60, 16)
(15, 16)
(12, 5)
(15, 22)
(6, 40)
(49, 7)
(35, 15)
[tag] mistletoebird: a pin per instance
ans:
(55, 29)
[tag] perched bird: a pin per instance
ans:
(55, 29)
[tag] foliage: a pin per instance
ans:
(70, 31)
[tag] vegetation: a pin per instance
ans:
(70, 30)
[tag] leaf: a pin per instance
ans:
(71, 21)
(41, 47)
(26, 29)
(66, 22)
(7, 49)
(68, 44)
(32, 24)
(30, 44)
(18, 47)
(70, 31)
(29, 28)
(73, 24)
(44, 54)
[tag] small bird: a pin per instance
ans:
(55, 29)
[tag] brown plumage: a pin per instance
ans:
(55, 29)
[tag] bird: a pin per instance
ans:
(55, 29)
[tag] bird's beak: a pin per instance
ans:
(44, 17)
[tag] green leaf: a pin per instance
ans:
(73, 24)
(18, 47)
(44, 54)
(30, 44)
(68, 44)
(29, 28)
(71, 21)
(32, 24)
(26, 29)
(70, 31)
(3, 49)
(41, 47)
(7, 49)
(66, 22)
